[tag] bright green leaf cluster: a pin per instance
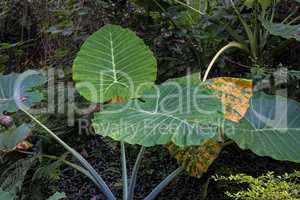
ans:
(266, 187)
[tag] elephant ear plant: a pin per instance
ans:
(114, 65)
(193, 119)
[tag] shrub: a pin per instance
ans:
(265, 187)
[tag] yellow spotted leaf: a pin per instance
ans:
(235, 94)
(196, 159)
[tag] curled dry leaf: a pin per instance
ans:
(13, 138)
(25, 145)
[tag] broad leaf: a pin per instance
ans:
(113, 62)
(16, 88)
(271, 127)
(283, 30)
(10, 138)
(176, 112)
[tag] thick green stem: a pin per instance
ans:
(219, 53)
(135, 173)
(164, 183)
(124, 171)
(104, 188)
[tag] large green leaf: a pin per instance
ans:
(16, 88)
(271, 127)
(113, 62)
(283, 30)
(10, 138)
(175, 111)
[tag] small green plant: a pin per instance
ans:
(265, 187)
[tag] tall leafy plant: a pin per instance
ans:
(115, 67)
(237, 126)
(130, 69)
